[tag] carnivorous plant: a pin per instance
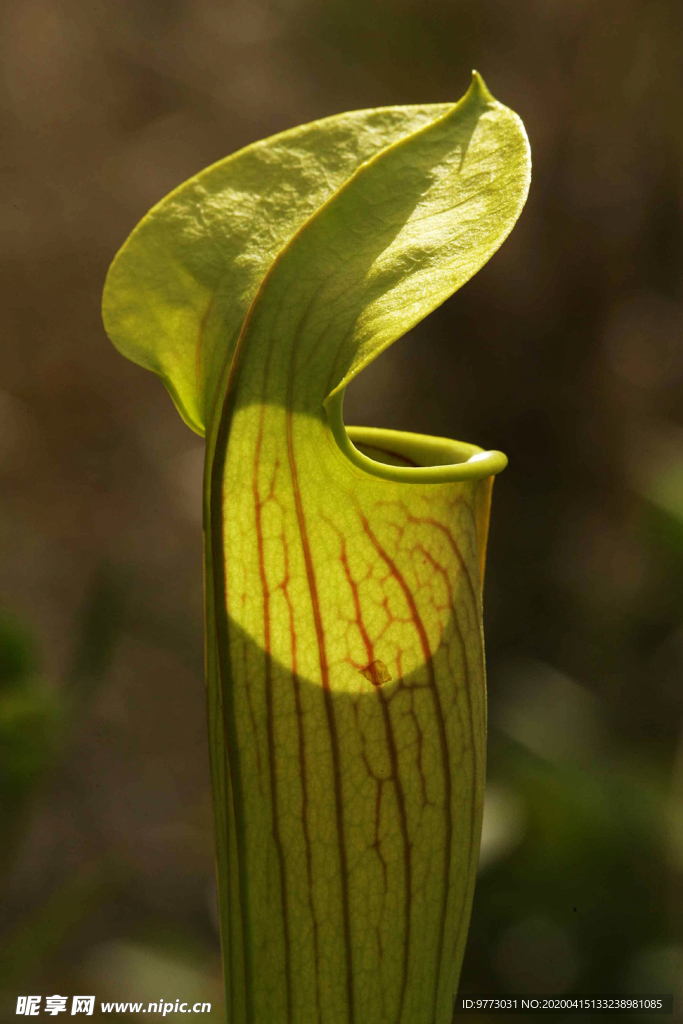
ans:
(343, 565)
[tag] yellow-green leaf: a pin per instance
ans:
(343, 567)
(178, 291)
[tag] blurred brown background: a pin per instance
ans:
(566, 352)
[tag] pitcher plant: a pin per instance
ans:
(343, 565)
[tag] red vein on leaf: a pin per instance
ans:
(329, 711)
(441, 728)
(296, 684)
(270, 724)
(393, 757)
(476, 600)
(220, 592)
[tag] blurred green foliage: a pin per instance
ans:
(35, 720)
(29, 724)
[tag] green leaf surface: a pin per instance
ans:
(178, 292)
(345, 665)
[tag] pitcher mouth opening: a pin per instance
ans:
(400, 455)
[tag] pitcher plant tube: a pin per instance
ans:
(343, 565)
